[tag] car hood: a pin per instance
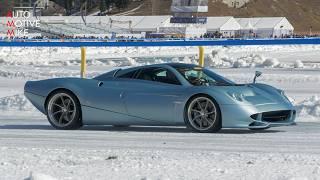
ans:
(254, 94)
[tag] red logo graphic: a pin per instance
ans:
(10, 25)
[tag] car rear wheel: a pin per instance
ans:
(202, 115)
(63, 110)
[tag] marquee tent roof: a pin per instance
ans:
(265, 22)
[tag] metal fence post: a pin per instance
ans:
(83, 63)
(201, 56)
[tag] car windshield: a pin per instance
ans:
(203, 77)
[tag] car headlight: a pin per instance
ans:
(236, 96)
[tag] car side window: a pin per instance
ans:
(159, 75)
(129, 75)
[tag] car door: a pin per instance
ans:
(103, 102)
(153, 95)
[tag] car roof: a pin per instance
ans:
(126, 70)
(163, 65)
(181, 65)
(174, 65)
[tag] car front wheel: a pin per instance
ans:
(202, 114)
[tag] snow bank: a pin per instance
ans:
(95, 56)
(287, 49)
(220, 58)
(298, 64)
(250, 56)
(17, 102)
(270, 62)
(309, 107)
(39, 176)
(45, 73)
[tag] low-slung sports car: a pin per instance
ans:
(160, 95)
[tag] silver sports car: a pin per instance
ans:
(160, 95)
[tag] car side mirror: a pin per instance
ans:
(257, 74)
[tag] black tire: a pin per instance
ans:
(215, 121)
(63, 110)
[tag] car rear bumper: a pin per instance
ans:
(37, 100)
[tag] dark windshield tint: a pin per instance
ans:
(203, 77)
(129, 74)
(159, 75)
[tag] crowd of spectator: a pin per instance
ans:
(131, 38)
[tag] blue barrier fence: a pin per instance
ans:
(144, 43)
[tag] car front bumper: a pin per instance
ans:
(249, 116)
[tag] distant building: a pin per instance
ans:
(188, 20)
(265, 27)
(189, 11)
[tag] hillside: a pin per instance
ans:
(301, 13)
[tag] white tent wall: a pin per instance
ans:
(265, 33)
(266, 27)
(172, 30)
(130, 35)
(226, 25)
(231, 28)
(193, 32)
(228, 34)
(215, 23)
(150, 23)
(247, 30)
(248, 33)
(283, 28)
(282, 32)
(188, 32)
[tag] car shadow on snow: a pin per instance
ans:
(174, 129)
(137, 129)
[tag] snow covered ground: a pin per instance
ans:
(28, 144)
(158, 152)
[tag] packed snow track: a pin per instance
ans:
(104, 152)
